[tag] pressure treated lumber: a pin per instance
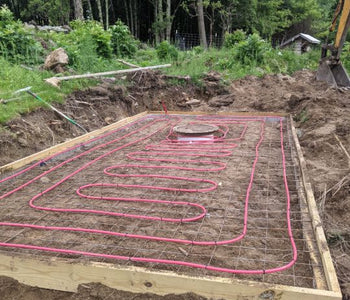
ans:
(56, 80)
(326, 257)
(308, 234)
(60, 274)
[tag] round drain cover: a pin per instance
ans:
(197, 129)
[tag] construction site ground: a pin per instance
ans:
(321, 114)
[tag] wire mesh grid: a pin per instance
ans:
(265, 245)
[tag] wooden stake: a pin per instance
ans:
(343, 148)
(128, 64)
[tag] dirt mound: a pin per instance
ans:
(321, 113)
(322, 116)
(99, 106)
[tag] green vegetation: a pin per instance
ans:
(302, 117)
(14, 77)
(16, 44)
(123, 43)
(165, 51)
(231, 39)
(91, 48)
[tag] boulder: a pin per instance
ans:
(223, 100)
(56, 60)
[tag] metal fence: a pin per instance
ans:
(187, 41)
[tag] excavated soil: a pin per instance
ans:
(321, 113)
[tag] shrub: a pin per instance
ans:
(231, 39)
(123, 43)
(165, 51)
(101, 38)
(252, 50)
(16, 44)
(198, 50)
(83, 33)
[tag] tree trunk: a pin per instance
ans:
(168, 20)
(211, 33)
(201, 24)
(107, 14)
(127, 13)
(132, 29)
(135, 18)
(91, 13)
(113, 12)
(78, 10)
(160, 20)
(99, 8)
(156, 19)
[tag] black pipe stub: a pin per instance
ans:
(196, 129)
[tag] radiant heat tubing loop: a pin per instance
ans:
(172, 147)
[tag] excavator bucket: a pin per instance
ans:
(333, 74)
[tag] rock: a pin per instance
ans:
(224, 100)
(109, 120)
(23, 142)
(193, 102)
(287, 96)
(56, 60)
(299, 133)
(45, 180)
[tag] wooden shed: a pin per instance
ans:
(301, 43)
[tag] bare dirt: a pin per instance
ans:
(321, 113)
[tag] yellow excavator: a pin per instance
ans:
(331, 69)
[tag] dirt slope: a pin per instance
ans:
(322, 116)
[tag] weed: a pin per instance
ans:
(252, 50)
(231, 39)
(302, 117)
(123, 42)
(166, 51)
(16, 44)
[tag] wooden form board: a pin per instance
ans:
(65, 275)
(329, 270)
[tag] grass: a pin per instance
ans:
(14, 77)
(194, 63)
(223, 61)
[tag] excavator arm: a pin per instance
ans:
(331, 69)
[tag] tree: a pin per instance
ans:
(107, 14)
(89, 11)
(99, 9)
(303, 14)
(168, 20)
(158, 25)
(201, 24)
(198, 7)
(227, 12)
(271, 18)
(78, 10)
(53, 12)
